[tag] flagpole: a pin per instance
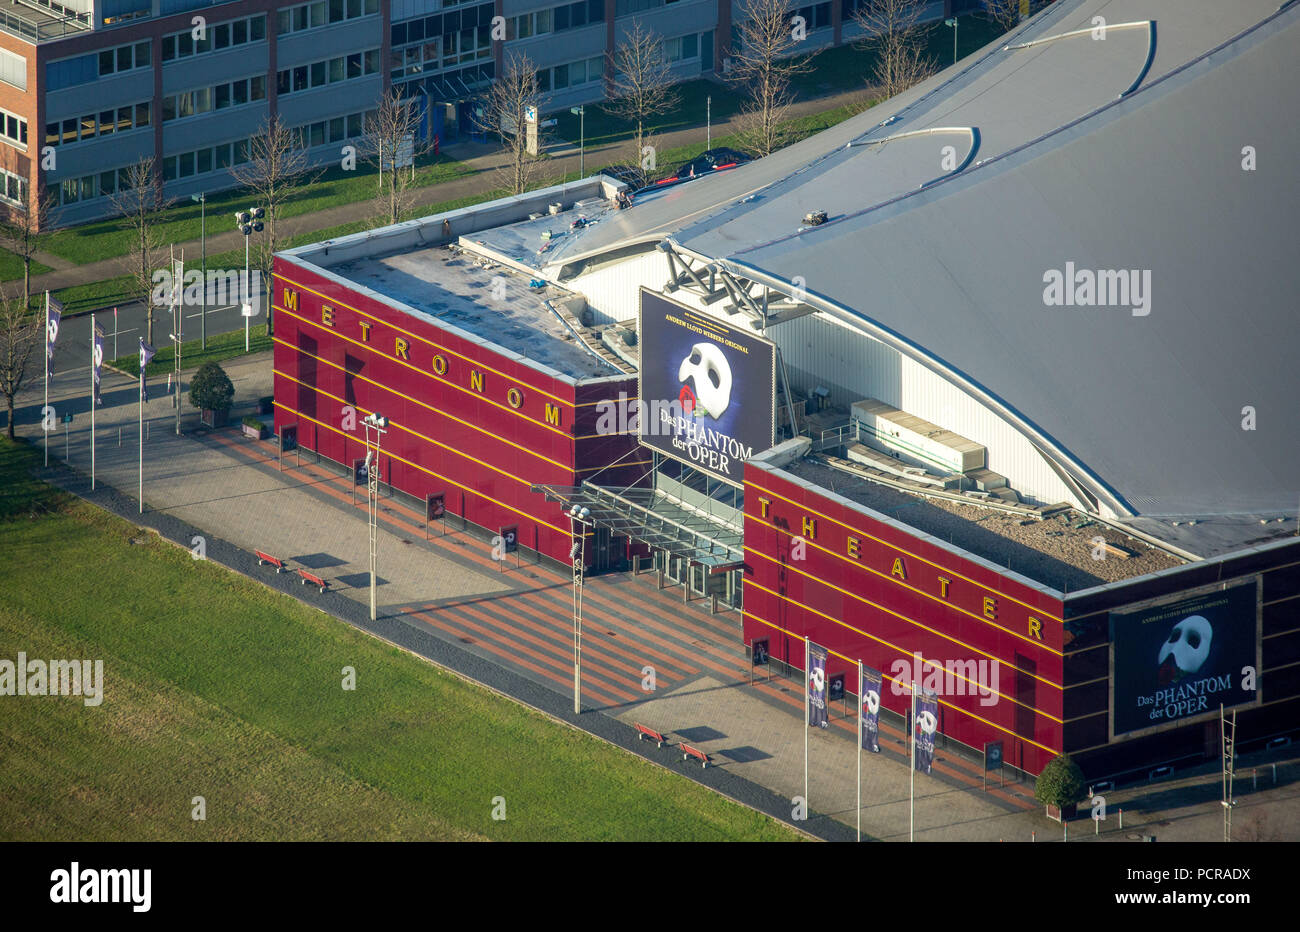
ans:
(178, 310)
(142, 429)
(911, 803)
(859, 750)
(46, 406)
(92, 402)
(807, 714)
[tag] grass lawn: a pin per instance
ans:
(106, 239)
(834, 70)
(601, 127)
(216, 687)
(116, 290)
(95, 295)
(221, 347)
(669, 160)
(851, 66)
(11, 267)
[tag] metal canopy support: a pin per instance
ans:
(632, 513)
(684, 276)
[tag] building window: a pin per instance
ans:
(202, 100)
(215, 38)
(133, 116)
(15, 189)
(13, 69)
(13, 128)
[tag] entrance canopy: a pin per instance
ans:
(653, 519)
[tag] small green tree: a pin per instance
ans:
(1060, 784)
(210, 389)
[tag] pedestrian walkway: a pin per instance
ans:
(482, 161)
(517, 616)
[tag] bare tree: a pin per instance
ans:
(20, 331)
(1006, 13)
(505, 113)
(140, 203)
(25, 227)
(276, 167)
(643, 86)
(391, 136)
(893, 32)
(762, 67)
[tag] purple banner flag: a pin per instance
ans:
(147, 353)
(53, 315)
(817, 685)
(97, 361)
(924, 730)
(869, 696)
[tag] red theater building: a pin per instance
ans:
(986, 431)
(480, 406)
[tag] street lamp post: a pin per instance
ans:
(178, 325)
(202, 198)
(248, 222)
(581, 113)
(379, 426)
(578, 519)
(953, 23)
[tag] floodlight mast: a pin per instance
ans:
(247, 222)
(578, 518)
(373, 422)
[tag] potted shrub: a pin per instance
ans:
(254, 428)
(1060, 786)
(212, 393)
(266, 404)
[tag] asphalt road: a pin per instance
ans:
(72, 349)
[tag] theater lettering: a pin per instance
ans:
(899, 567)
(441, 364)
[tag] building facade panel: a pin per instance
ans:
(1089, 673)
(338, 39)
(468, 421)
(871, 591)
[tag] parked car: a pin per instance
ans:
(711, 161)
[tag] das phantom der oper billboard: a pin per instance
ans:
(707, 388)
(1174, 662)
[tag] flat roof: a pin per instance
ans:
(1056, 551)
(473, 293)
(545, 238)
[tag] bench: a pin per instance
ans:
(688, 752)
(274, 561)
(643, 732)
(313, 579)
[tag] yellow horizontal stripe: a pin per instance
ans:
(432, 375)
(426, 340)
(429, 407)
(845, 624)
(858, 532)
(956, 608)
(414, 433)
(428, 472)
(957, 709)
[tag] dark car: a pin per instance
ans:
(710, 161)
